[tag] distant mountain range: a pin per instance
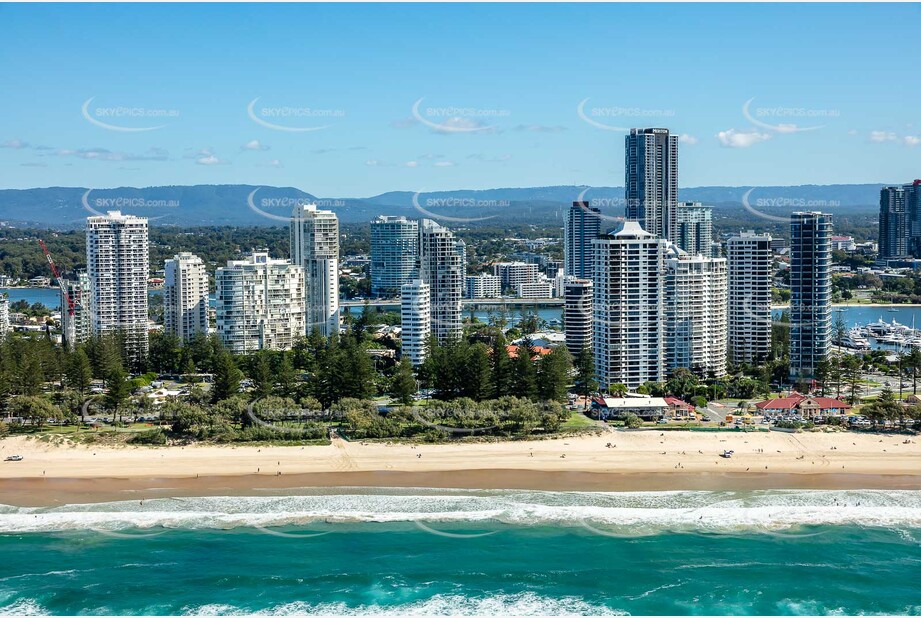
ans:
(65, 207)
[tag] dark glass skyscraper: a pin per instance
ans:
(894, 225)
(651, 183)
(810, 292)
(581, 226)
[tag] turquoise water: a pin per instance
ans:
(451, 552)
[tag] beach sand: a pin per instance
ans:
(635, 460)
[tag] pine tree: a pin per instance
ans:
(475, 382)
(261, 374)
(553, 375)
(524, 376)
(501, 382)
(585, 383)
(227, 377)
(79, 374)
(403, 384)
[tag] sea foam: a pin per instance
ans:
(616, 513)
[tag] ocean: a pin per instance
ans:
(358, 551)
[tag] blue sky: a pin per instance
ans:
(321, 97)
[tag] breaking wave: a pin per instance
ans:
(633, 513)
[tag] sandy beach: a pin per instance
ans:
(636, 460)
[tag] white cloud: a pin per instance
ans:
(690, 140)
(373, 163)
(463, 124)
(103, 154)
(912, 140)
(486, 159)
(741, 139)
(411, 164)
(16, 144)
(883, 136)
(852, 132)
(444, 164)
(539, 128)
(276, 163)
(254, 145)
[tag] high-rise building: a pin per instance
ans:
(695, 313)
(315, 247)
(117, 257)
(441, 267)
(77, 328)
(628, 332)
(894, 225)
(581, 226)
(913, 206)
(185, 296)
(750, 277)
(394, 245)
(810, 292)
(577, 314)
(259, 303)
(483, 285)
(651, 183)
(416, 319)
(694, 228)
(513, 274)
(4, 315)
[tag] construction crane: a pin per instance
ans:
(71, 307)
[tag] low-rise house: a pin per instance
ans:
(679, 409)
(803, 405)
(647, 408)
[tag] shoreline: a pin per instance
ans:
(64, 491)
(635, 461)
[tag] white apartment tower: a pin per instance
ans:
(185, 296)
(4, 315)
(416, 318)
(628, 333)
(77, 328)
(260, 304)
(694, 228)
(483, 285)
(315, 247)
(394, 242)
(577, 314)
(441, 267)
(695, 313)
(117, 258)
(750, 277)
(513, 274)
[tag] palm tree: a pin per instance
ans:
(618, 389)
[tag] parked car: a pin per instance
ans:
(14, 458)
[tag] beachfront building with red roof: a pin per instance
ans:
(803, 405)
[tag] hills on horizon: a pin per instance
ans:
(249, 205)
